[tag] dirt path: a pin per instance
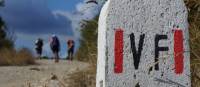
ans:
(39, 75)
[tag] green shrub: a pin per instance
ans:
(88, 43)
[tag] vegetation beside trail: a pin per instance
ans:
(87, 53)
(84, 78)
(88, 42)
(5, 40)
(10, 57)
(194, 28)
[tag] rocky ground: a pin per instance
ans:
(46, 74)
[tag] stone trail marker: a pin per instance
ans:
(143, 43)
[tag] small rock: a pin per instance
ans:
(35, 69)
(54, 77)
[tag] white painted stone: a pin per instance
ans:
(149, 17)
(100, 79)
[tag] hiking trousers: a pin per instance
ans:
(56, 56)
(70, 54)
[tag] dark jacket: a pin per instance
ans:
(55, 44)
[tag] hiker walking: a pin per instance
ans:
(38, 47)
(70, 44)
(55, 47)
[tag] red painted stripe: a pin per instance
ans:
(178, 51)
(118, 67)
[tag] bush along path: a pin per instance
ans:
(46, 74)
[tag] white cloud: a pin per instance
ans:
(84, 11)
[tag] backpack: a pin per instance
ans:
(55, 43)
(39, 43)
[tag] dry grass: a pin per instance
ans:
(194, 28)
(13, 57)
(86, 78)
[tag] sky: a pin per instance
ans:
(31, 19)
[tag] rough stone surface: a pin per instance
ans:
(149, 17)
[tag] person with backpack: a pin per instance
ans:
(38, 47)
(55, 47)
(70, 44)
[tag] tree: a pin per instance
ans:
(88, 43)
(5, 42)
